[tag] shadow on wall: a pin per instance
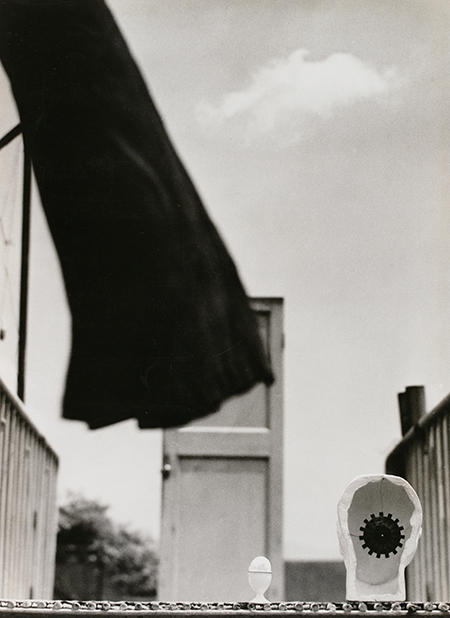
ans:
(314, 581)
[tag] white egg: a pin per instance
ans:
(261, 563)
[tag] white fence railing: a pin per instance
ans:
(423, 459)
(28, 514)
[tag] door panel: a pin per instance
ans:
(234, 493)
(239, 413)
(249, 410)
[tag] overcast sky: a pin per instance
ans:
(317, 133)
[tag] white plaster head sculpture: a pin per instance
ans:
(379, 525)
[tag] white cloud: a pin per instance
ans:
(288, 91)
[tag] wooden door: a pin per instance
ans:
(222, 489)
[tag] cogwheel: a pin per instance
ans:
(381, 535)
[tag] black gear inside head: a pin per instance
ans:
(381, 535)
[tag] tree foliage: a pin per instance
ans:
(127, 559)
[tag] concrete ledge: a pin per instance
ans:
(64, 609)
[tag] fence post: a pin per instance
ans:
(412, 407)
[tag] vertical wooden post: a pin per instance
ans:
(24, 270)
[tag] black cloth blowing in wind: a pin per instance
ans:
(162, 330)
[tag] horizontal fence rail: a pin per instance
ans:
(28, 515)
(124, 609)
(423, 459)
